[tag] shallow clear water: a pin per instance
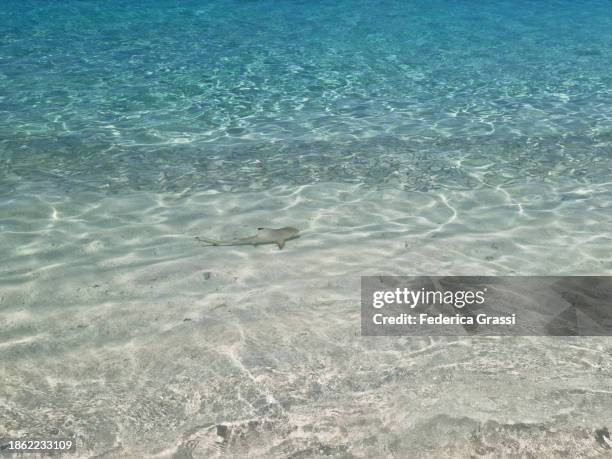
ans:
(423, 137)
(246, 95)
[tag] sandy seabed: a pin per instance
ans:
(120, 330)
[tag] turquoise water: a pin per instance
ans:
(416, 137)
(168, 96)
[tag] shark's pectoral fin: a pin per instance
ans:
(280, 244)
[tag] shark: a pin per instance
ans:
(276, 236)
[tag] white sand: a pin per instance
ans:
(118, 327)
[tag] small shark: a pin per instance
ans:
(264, 236)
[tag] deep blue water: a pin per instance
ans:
(235, 95)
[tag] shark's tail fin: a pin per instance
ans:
(204, 240)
